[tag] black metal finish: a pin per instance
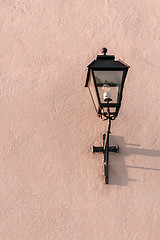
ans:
(105, 149)
(104, 50)
(105, 107)
(107, 63)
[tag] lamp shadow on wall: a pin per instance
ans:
(117, 168)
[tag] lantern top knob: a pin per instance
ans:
(104, 50)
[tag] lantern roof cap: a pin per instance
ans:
(107, 61)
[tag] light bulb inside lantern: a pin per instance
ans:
(106, 94)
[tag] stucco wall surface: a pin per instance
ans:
(51, 185)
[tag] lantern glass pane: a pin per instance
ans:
(92, 90)
(110, 77)
(109, 85)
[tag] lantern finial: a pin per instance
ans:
(104, 50)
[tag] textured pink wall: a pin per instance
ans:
(51, 185)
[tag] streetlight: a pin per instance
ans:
(105, 81)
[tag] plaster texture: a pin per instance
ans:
(51, 185)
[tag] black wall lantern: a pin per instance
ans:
(105, 81)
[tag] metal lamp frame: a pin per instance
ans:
(107, 63)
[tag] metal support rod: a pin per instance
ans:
(105, 150)
(106, 153)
